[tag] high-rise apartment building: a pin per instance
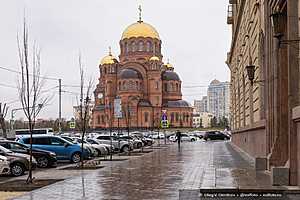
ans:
(218, 99)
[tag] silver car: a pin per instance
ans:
(4, 165)
(119, 145)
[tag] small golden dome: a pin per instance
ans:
(168, 65)
(140, 29)
(108, 60)
(154, 58)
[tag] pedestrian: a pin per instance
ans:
(178, 136)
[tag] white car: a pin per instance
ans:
(4, 165)
(184, 137)
(97, 149)
(109, 149)
(158, 136)
(119, 145)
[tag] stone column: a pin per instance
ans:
(293, 83)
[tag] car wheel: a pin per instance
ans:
(98, 152)
(42, 162)
(139, 145)
(17, 169)
(125, 148)
(75, 158)
(193, 140)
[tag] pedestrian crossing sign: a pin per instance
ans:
(72, 125)
(164, 124)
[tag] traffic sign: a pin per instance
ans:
(164, 124)
(72, 125)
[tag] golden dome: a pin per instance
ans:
(168, 65)
(140, 29)
(108, 60)
(154, 58)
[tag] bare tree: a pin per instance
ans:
(30, 85)
(84, 104)
(3, 113)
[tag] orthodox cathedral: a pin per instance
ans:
(147, 87)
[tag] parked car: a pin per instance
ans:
(184, 137)
(99, 148)
(137, 143)
(142, 136)
(198, 134)
(215, 135)
(157, 136)
(44, 158)
(76, 140)
(64, 149)
(110, 149)
(18, 163)
(119, 145)
(4, 165)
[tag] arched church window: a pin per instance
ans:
(133, 47)
(125, 48)
(146, 116)
(124, 85)
(172, 117)
(131, 85)
(137, 85)
(148, 46)
(172, 87)
(156, 85)
(102, 119)
(120, 86)
(177, 117)
(141, 46)
(166, 87)
(176, 87)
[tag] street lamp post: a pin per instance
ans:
(13, 111)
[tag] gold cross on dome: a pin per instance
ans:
(109, 50)
(140, 13)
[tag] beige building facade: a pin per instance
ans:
(263, 108)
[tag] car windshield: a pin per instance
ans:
(4, 150)
(70, 140)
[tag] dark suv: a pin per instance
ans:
(44, 158)
(18, 163)
(215, 135)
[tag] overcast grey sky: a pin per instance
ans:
(194, 34)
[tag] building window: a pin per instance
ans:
(172, 87)
(176, 87)
(166, 87)
(157, 100)
(172, 117)
(157, 85)
(133, 47)
(136, 85)
(125, 47)
(177, 117)
(148, 47)
(146, 116)
(98, 119)
(102, 119)
(141, 46)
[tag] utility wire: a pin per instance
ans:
(9, 86)
(17, 72)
